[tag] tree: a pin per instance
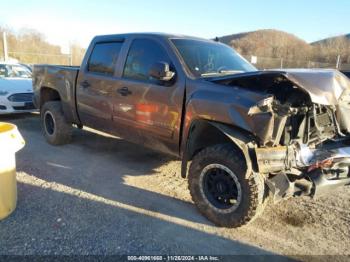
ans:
(30, 46)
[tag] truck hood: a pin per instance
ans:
(16, 85)
(324, 86)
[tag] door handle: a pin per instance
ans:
(85, 84)
(124, 91)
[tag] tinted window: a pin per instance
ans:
(206, 58)
(104, 58)
(142, 55)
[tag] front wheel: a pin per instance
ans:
(54, 125)
(220, 189)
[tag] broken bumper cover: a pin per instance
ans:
(322, 157)
(320, 170)
(322, 185)
(328, 168)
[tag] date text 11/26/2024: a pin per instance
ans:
(173, 258)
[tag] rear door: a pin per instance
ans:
(95, 85)
(146, 110)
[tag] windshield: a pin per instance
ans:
(18, 71)
(205, 58)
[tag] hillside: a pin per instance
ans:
(268, 43)
(273, 45)
(331, 39)
(330, 48)
(227, 39)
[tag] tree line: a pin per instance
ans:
(277, 44)
(30, 46)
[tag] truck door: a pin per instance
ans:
(96, 83)
(146, 110)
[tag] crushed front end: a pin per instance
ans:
(304, 147)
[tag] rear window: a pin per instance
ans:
(104, 58)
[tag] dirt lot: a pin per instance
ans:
(102, 195)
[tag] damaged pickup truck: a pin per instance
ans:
(248, 134)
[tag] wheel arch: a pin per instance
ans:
(48, 94)
(204, 133)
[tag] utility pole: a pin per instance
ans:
(70, 55)
(337, 66)
(4, 42)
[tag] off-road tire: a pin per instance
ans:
(61, 131)
(253, 193)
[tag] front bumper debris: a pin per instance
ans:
(312, 172)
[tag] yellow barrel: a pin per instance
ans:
(10, 142)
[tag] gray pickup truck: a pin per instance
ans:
(249, 135)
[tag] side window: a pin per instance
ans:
(3, 71)
(142, 55)
(104, 57)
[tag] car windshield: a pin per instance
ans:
(17, 71)
(206, 59)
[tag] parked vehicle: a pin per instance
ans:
(347, 73)
(28, 66)
(16, 91)
(247, 133)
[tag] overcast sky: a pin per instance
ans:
(66, 21)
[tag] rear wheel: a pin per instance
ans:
(54, 125)
(220, 189)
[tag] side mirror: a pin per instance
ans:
(161, 71)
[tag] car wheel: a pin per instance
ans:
(220, 189)
(54, 125)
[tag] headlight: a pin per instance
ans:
(3, 93)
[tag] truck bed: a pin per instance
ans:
(60, 79)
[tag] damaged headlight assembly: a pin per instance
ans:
(263, 106)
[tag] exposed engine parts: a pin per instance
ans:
(307, 140)
(304, 148)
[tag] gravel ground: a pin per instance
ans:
(102, 195)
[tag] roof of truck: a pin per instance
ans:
(155, 34)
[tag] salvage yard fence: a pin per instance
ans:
(41, 58)
(270, 63)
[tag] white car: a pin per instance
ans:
(16, 91)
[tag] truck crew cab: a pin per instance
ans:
(248, 134)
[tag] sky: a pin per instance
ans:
(64, 22)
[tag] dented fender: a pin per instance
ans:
(220, 104)
(240, 139)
